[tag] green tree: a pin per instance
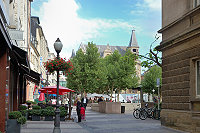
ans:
(86, 76)
(127, 77)
(112, 66)
(121, 71)
(101, 75)
(76, 79)
(92, 63)
(149, 81)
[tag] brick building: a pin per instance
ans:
(180, 48)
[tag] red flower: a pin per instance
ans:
(56, 64)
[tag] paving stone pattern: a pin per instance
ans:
(100, 123)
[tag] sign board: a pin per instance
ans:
(16, 34)
(158, 82)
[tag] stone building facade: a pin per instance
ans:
(38, 54)
(52, 78)
(14, 64)
(180, 48)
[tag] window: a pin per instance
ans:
(134, 50)
(198, 78)
(196, 3)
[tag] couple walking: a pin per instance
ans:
(81, 107)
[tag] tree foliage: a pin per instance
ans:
(101, 75)
(149, 81)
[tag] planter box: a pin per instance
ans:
(110, 107)
(48, 118)
(13, 126)
(35, 118)
(95, 107)
(62, 118)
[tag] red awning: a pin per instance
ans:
(54, 88)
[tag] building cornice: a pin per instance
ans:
(180, 19)
(191, 32)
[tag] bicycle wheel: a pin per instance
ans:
(143, 115)
(136, 113)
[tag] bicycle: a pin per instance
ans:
(146, 112)
(153, 113)
(136, 112)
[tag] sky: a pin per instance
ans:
(101, 21)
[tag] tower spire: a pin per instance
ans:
(133, 40)
(73, 53)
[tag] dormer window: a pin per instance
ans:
(134, 50)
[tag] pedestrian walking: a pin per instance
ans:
(84, 101)
(78, 109)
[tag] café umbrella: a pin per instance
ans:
(54, 89)
(52, 92)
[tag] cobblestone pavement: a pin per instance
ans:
(100, 123)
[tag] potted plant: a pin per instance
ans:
(36, 113)
(49, 107)
(36, 107)
(22, 107)
(15, 121)
(63, 113)
(34, 103)
(23, 110)
(28, 103)
(48, 113)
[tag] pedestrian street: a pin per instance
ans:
(100, 123)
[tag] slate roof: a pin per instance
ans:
(34, 26)
(102, 48)
(133, 41)
(121, 49)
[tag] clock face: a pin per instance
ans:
(134, 50)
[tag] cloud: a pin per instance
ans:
(153, 4)
(59, 18)
(137, 12)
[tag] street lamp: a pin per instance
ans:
(46, 84)
(153, 91)
(58, 47)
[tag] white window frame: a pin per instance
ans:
(197, 77)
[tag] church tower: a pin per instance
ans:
(107, 51)
(133, 46)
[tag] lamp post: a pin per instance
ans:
(46, 84)
(158, 85)
(58, 47)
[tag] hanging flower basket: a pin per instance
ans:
(58, 64)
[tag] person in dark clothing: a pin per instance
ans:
(84, 102)
(78, 109)
(100, 99)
